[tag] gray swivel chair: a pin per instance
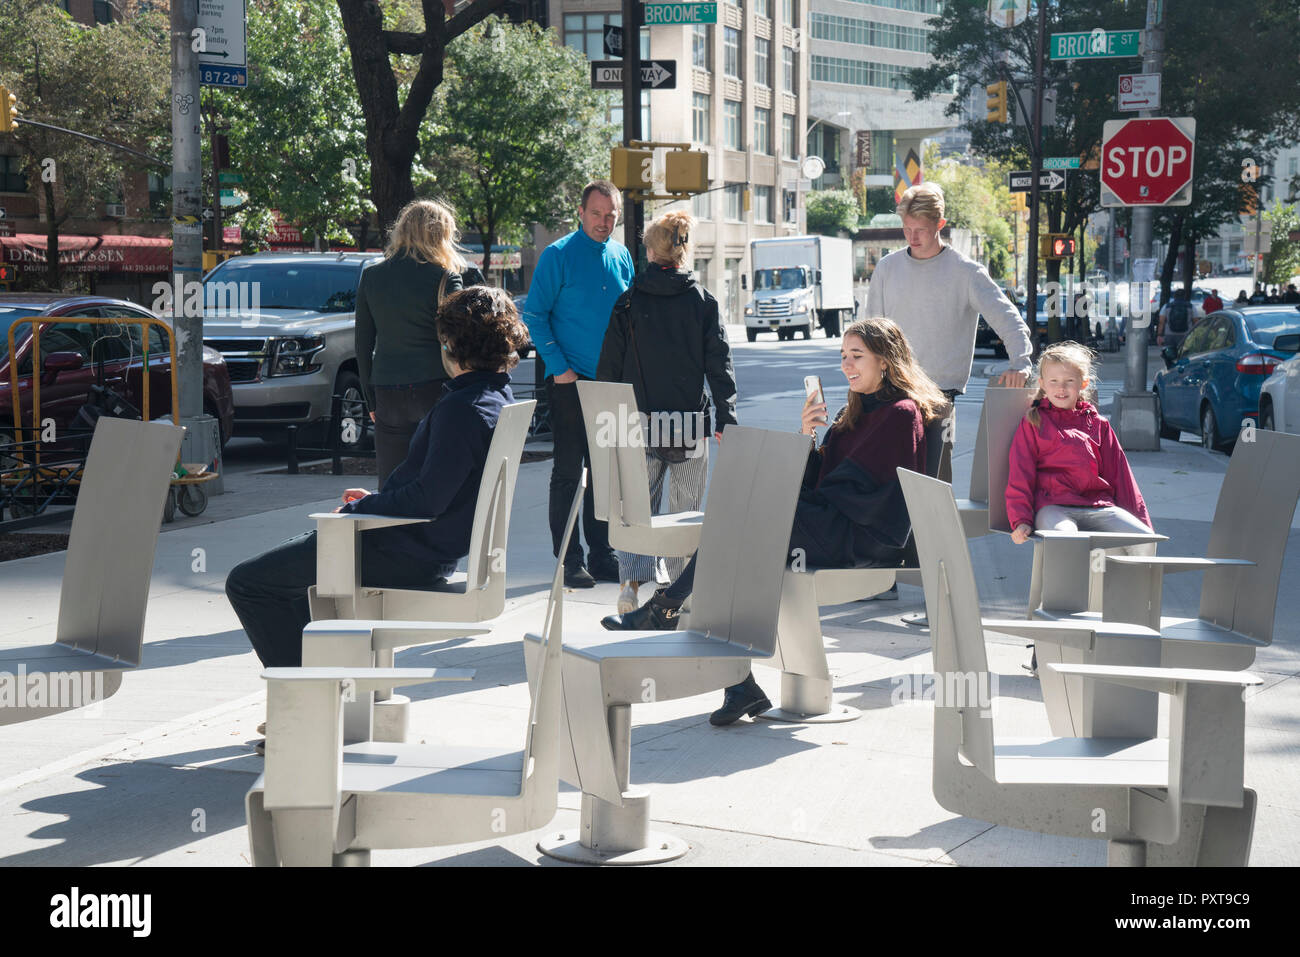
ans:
(1175, 800)
(105, 590)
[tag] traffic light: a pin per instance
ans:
(8, 110)
(7, 273)
(631, 169)
(686, 171)
(997, 101)
(1058, 246)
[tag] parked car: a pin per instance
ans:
(285, 323)
(72, 355)
(1279, 397)
(1212, 386)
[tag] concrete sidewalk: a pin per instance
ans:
(158, 774)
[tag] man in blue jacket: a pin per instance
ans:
(576, 282)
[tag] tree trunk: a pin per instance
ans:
(1171, 257)
(53, 270)
(1189, 261)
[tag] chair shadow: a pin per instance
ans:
(150, 806)
(189, 649)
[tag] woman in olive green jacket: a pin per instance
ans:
(399, 357)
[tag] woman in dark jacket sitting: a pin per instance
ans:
(851, 512)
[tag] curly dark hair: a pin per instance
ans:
(480, 329)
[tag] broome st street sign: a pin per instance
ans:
(1096, 45)
(657, 14)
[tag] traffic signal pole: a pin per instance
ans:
(1135, 407)
(634, 211)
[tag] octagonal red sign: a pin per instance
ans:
(1147, 162)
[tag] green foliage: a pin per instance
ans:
(514, 131)
(1283, 259)
(832, 210)
(975, 198)
(296, 132)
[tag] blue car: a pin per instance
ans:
(1212, 385)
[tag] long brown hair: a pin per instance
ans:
(426, 230)
(1072, 356)
(904, 377)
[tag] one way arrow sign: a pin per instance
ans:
(1050, 181)
(655, 74)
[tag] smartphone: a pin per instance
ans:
(812, 388)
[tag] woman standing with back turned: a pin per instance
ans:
(399, 357)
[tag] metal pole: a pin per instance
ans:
(633, 214)
(1134, 417)
(1035, 168)
(202, 440)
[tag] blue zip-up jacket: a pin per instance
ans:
(575, 285)
(441, 475)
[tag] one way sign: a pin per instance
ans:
(613, 40)
(1049, 180)
(655, 75)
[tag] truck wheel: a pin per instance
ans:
(831, 323)
(807, 332)
(752, 334)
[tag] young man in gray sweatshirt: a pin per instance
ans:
(936, 296)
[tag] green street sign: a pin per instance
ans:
(229, 179)
(1060, 162)
(659, 14)
(1096, 45)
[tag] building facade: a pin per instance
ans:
(741, 97)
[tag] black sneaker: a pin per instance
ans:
(577, 576)
(891, 595)
(604, 569)
(746, 698)
(649, 617)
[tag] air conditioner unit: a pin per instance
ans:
(115, 210)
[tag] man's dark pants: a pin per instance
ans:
(269, 592)
(398, 413)
(571, 453)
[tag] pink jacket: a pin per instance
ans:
(1072, 458)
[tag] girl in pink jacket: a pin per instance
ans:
(1068, 472)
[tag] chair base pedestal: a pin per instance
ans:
(917, 619)
(808, 700)
(1126, 854)
(392, 719)
(611, 835)
(357, 858)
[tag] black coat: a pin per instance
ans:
(671, 323)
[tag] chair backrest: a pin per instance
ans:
(114, 536)
(496, 494)
(745, 539)
(1252, 520)
(541, 768)
(1003, 410)
(620, 480)
(979, 466)
(952, 605)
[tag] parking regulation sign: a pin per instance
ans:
(223, 61)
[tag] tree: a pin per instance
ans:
(832, 210)
(1282, 262)
(516, 131)
(48, 59)
(393, 128)
(296, 133)
(975, 198)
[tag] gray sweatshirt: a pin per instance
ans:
(937, 303)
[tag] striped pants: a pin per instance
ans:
(685, 481)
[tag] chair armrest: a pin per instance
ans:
(1159, 680)
(368, 679)
(382, 635)
(365, 523)
(1102, 539)
(338, 549)
(1174, 563)
(1072, 634)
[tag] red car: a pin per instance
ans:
(71, 353)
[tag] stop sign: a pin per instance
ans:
(1147, 162)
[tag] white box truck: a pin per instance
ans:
(799, 280)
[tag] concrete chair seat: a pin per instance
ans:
(431, 769)
(1172, 628)
(1083, 762)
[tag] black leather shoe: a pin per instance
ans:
(649, 617)
(577, 576)
(746, 698)
(604, 569)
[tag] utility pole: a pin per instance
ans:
(202, 442)
(1035, 167)
(1135, 407)
(634, 214)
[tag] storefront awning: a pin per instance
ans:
(133, 254)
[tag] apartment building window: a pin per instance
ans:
(829, 69)
(763, 8)
(869, 33)
(735, 193)
(12, 179)
(701, 119)
(789, 78)
(702, 206)
(733, 138)
(791, 206)
(789, 144)
(701, 46)
(790, 13)
(762, 130)
(763, 204)
(586, 32)
(731, 52)
(1293, 166)
(762, 61)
